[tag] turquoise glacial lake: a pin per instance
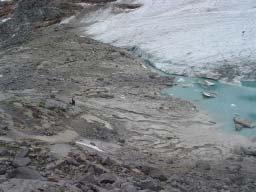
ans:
(231, 101)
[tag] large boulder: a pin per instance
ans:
(22, 152)
(3, 151)
(21, 161)
(25, 173)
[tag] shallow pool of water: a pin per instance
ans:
(231, 100)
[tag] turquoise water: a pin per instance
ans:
(231, 100)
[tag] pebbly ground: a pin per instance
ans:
(118, 134)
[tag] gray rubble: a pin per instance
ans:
(121, 135)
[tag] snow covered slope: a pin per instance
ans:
(207, 37)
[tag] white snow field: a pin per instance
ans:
(191, 37)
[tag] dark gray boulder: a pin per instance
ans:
(21, 162)
(3, 151)
(22, 152)
(25, 173)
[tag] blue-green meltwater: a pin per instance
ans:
(230, 100)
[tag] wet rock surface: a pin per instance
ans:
(78, 115)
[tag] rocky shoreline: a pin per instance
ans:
(117, 134)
